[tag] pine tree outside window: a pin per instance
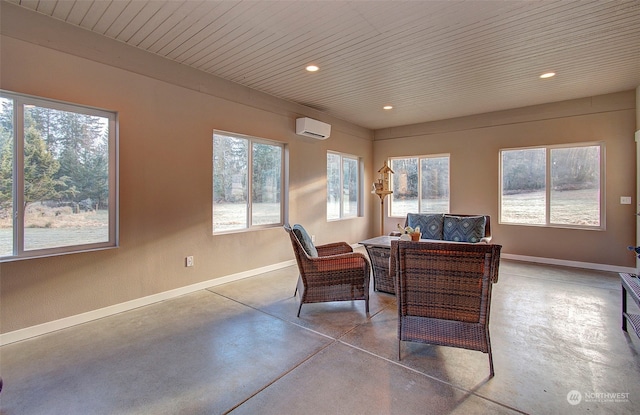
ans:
(420, 184)
(248, 182)
(58, 177)
(343, 186)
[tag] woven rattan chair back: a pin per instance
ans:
(443, 293)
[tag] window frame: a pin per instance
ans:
(22, 101)
(419, 170)
(548, 178)
(251, 140)
(359, 181)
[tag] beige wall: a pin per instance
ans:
(474, 143)
(166, 127)
(637, 200)
(167, 114)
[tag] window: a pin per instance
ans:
(58, 177)
(343, 186)
(553, 186)
(420, 185)
(247, 182)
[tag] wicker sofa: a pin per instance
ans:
(450, 227)
(431, 228)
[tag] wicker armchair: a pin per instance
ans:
(444, 293)
(336, 273)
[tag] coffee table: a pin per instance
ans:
(379, 250)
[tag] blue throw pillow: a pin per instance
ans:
(430, 225)
(464, 228)
(305, 240)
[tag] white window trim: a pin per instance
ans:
(359, 184)
(283, 182)
(421, 157)
(548, 223)
(19, 253)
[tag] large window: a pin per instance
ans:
(420, 185)
(343, 186)
(553, 186)
(58, 177)
(248, 176)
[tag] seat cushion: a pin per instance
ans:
(430, 225)
(464, 228)
(305, 240)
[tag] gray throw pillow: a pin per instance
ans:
(464, 228)
(430, 225)
(305, 240)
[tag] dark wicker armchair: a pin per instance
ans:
(444, 293)
(331, 272)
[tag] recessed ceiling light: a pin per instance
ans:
(312, 68)
(387, 107)
(547, 75)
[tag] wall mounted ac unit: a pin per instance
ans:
(313, 128)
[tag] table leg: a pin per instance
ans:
(379, 258)
(624, 308)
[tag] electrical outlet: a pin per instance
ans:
(625, 200)
(189, 261)
(313, 239)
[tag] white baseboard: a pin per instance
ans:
(51, 326)
(565, 263)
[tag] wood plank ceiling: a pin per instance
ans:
(430, 60)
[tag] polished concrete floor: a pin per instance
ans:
(238, 348)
